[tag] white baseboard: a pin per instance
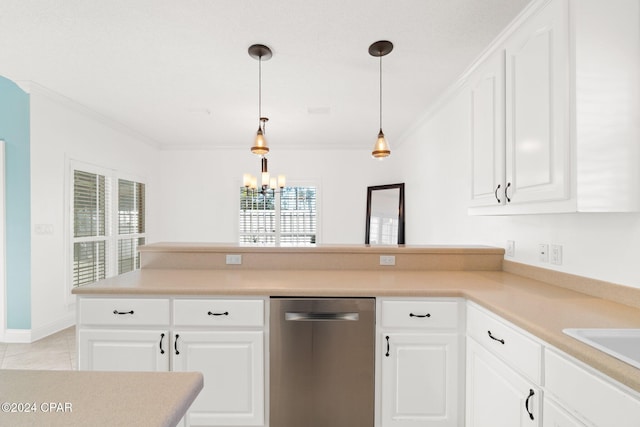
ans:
(23, 336)
(53, 327)
(16, 336)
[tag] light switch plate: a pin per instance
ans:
(556, 254)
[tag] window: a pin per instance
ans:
(90, 215)
(131, 224)
(105, 243)
(285, 219)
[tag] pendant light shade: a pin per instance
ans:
(381, 148)
(260, 144)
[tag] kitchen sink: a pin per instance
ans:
(623, 344)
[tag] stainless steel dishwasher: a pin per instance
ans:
(322, 362)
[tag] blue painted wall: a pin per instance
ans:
(14, 130)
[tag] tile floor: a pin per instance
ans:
(55, 352)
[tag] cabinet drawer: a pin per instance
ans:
(589, 393)
(421, 314)
(218, 312)
(505, 341)
(123, 311)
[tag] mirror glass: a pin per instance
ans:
(385, 215)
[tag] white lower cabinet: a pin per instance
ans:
(123, 350)
(588, 394)
(419, 360)
(232, 363)
(222, 338)
(503, 374)
(497, 396)
(419, 372)
(556, 416)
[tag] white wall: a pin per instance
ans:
(601, 246)
(60, 131)
(200, 190)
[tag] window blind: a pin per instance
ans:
(90, 217)
(106, 243)
(288, 218)
(131, 224)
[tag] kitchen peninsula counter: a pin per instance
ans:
(83, 398)
(543, 307)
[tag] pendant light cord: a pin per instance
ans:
(380, 92)
(260, 92)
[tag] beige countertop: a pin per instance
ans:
(538, 307)
(84, 398)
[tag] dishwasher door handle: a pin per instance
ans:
(320, 317)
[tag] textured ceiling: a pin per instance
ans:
(178, 72)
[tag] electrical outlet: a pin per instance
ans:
(234, 259)
(387, 260)
(543, 252)
(511, 248)
(556, 254)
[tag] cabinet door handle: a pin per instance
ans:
(226, 313)
(161, 339)
(506, 195)
(419, 315)
(175, 344)
(387, 354)
(122, 312)
(495, 193)
(526, 403)
(501, 341)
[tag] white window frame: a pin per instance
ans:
(111, 226)
(300, 183)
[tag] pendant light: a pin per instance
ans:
(261, 53)
(380, 49)
(260, 147)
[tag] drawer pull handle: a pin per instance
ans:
(175, 344)
(122, 312)
(387, 354)
(161, 339)
(501, 341)
(495, 193)
(226, 313)
(526, 403)
(419, 315)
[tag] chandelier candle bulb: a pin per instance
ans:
(265, 179)
(282, 180)
(254, 183)
(246, 180)
(273, 183)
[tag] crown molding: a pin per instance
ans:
(32, 87)
(531, 9)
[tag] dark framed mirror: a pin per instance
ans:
(385, 215)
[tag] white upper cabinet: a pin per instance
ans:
(537, 114)
(486, 91)
(554, 112)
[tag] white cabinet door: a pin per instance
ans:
(555, 416)
(420, 376)
(232, 363)
(486, 97)
(537, 108)
(123, 350)
(496, 395)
